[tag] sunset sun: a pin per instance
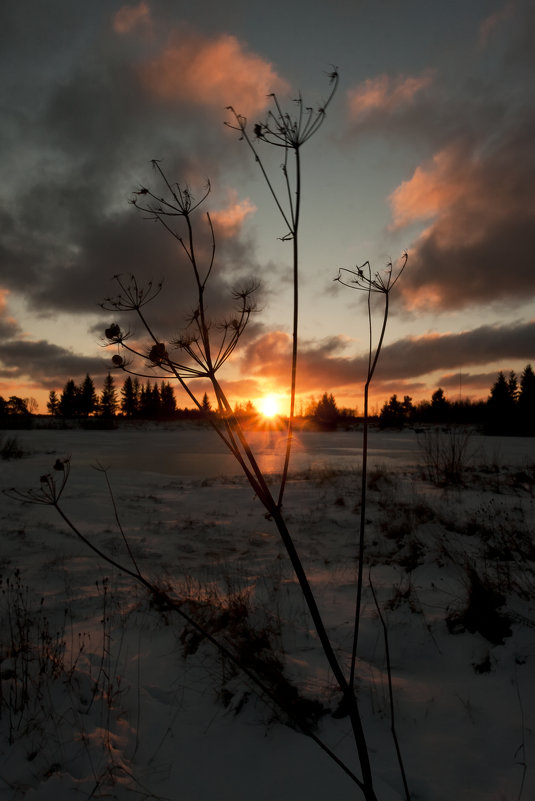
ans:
(269, 406)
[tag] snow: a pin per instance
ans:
(156, 726)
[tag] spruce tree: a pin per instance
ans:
(108, 398)
(526, 401)
(87, 397)
(68, 403)
(129, 399)
(53, 403)
(501, 407)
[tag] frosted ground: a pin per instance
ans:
(103, 695)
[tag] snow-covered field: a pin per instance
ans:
(105, 696)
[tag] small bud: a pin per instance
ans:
(44, 479)
(117, 360)
(59, 465)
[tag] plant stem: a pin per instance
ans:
(295, 333)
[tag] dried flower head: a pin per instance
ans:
(158, 353)
(113, 332)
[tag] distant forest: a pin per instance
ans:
(509, 409)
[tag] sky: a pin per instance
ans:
(426, 147)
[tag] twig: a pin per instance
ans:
(390, 692)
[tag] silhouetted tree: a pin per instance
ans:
(440, 406)
(326, 412)
(393, 414)
(17, 406)
(206, 406)
(129, 397)
(68, 403)
(108, 398)
(512, 386)
(53, 403)
(501, 407)
(152, 406)
(526, 401)
(87, 397)
(167, 400)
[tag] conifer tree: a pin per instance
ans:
(526, 401)
(53, 403)
(500, 407)
(167, 400)
(87, 397)
(68, 403)
(326, 412)
(108, 398)
(129, 399)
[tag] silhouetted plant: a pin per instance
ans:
(364, 280)
(377, 283)
(265, 675)
(288, 132)
(446, 454)
(203, 348)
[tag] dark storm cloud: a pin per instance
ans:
(417, 356)
(67, 226)
(48, 364)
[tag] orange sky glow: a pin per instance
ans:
(427, 147)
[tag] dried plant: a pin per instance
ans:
(203, 348)
(377, 283)
(363, 279)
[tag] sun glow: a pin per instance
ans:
(269, 406)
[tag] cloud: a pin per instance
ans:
(431, 188)
(229, 220)
(494, 21)
(479, 246)
(9, 327)
(414, 357)
(46, 364)
(325, 366)
(216, 72)
(130, 17)
(386, 94)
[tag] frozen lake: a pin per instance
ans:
(197, 452)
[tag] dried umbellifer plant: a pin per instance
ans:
(204, 347)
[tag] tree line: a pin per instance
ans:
(509, 409)
(134, 399)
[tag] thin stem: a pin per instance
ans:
(391, 694)
(295, 333)
(372, 364)
(169, 604)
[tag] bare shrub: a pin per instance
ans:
(10, 448)
(446, 454)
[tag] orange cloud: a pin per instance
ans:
(478, 246)
(8, 325)
(130, 17)
(385, 93)
(229, 220)
(491, 22)
(430, 188)
(212, 72)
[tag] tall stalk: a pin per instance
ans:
(379, 283)
(289, 132)
(203, 349)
